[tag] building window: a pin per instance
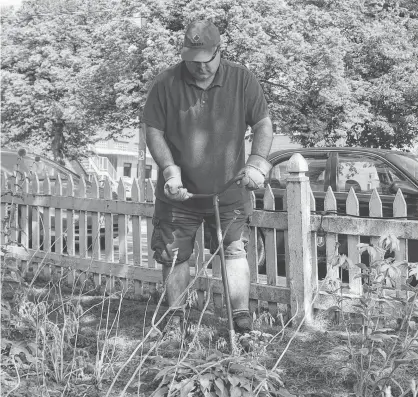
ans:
(121, 145)
(127, 167)
(148, 169)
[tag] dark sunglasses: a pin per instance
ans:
(210, 60)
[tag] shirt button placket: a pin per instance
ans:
(204, 97)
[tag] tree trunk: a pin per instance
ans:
(58, 140)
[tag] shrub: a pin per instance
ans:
(389, 331)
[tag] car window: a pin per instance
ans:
(37, 165)
(365, 173)
(316, 172)
(407, 163)
(30, 165)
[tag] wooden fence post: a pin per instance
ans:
(300, 269)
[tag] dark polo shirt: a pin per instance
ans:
(205, 129)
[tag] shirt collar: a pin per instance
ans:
(217, 81)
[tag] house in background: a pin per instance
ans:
(118, 159)
(280, 142)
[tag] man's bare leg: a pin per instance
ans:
(176, 282)
(238, 273)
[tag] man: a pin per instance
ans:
(196, 115)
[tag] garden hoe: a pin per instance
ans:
(215, 197)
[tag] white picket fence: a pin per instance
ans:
(58, 231)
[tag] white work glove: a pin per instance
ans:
(254, 172)
(173, 187)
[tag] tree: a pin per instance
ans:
(46, 45)
(331, 70)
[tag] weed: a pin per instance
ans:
(216, 375)
(385, 344)
(106, 356)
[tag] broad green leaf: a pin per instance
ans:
(205, 380)
(412, 355)
(362, 266)
(412, 298)
(163, 372)
(333, 309)
(358, 306)
(236, 368)
(399, 362)
(376, 338)
(285, 393)
(246, 384)
(412, 325)
(186, 386)
(383, 337)
(382, 352)
(160, 392)
(383, 330)
(364, 351)
(223, 391)
(234, 380)
(21, 347)
(235, 391)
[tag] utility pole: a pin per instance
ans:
(141, 22)
(142, 158)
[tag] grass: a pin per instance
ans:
(83, 340)
(110, 328)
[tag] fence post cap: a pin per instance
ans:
(297, 164)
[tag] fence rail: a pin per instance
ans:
(70, 231)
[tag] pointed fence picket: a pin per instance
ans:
(82, 221)
(252, 257)
(70, 219)
(270, 244)
(62, 227)
(122, 227)
(314, 253)
(137, 237)
(400, 210)
(331, 239)
(353, 208)
(13, 210)
(71, 275)
(376, 211)
(24, 211)
(46, 226)
(36, 219)
(59, 236)
(109, 255)
(150, 198)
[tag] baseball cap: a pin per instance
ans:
(200, 41)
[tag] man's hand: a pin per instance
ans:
(254, 172)
(173, 188)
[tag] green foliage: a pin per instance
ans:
(217, 375)
(388, 319)
(330, 70)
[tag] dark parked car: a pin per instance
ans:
(341, 168)
(43, 167)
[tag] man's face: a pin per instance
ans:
(202, 71)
